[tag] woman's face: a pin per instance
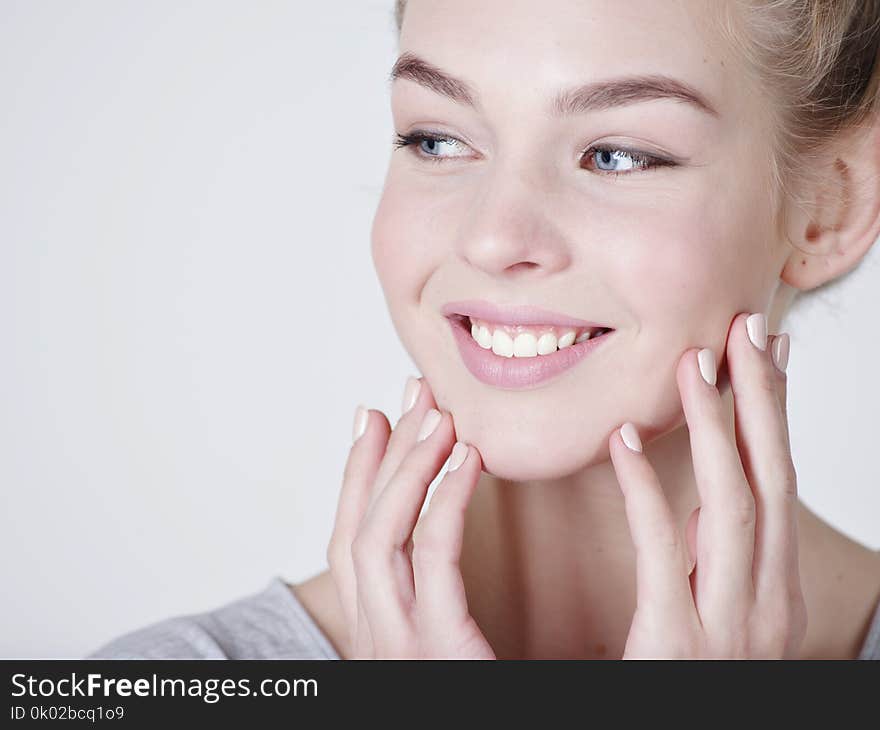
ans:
(508, 208)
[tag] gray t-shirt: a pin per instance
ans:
(270, 624)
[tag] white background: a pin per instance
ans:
(189, 312)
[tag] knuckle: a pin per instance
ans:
(785, 625)
(789, 481)
(334, 554)
(364, 549)
(784, 493)
(742, 509)
(429, 542)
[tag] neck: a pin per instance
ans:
(549, 567)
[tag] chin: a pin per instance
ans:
(520, 467)
(531, 452)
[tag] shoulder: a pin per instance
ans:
(269, 624)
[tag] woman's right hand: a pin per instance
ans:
(398, 576)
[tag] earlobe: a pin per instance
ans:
(843, 221)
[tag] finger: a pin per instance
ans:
(389, 591)
(364, 647)
(661, 561)
(691, 537)
(405, 430)
(363, 461)
(763, 443)
(779, 347)
(725, 530)
(396, 510)
(441, 602)
(691, 529)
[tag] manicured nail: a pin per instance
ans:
(781, 346)
(457, 457)
(630, 437)
(360, 423)
(756, 325)
(410, 393)
(429, 423)
(708, 370)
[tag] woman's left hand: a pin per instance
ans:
(742, 597)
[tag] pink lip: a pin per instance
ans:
(517, 373)
(517, 314)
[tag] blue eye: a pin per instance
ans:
(417, 138)
(607, 158)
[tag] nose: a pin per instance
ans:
(510, 232)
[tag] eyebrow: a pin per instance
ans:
(594, 96)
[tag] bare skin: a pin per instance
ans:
(512, 214)
(840, 577)
(512, 599)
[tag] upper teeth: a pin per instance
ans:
(526, 341)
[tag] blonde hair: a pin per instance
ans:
(815, 62)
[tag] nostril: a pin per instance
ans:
(527, 265)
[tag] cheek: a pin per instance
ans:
(707, 262)
(406, 243)
(695, 267)
(397, 243)
(409, 241)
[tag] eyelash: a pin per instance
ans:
(648, 162)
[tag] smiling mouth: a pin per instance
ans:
(519, 341)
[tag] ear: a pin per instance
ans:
(842, 221)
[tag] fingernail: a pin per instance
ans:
(756, 325)
(410, 393)
(457, 457)
(630, 437)
(781, 346)
(706, 359)
(429, 423)
(360, 423)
